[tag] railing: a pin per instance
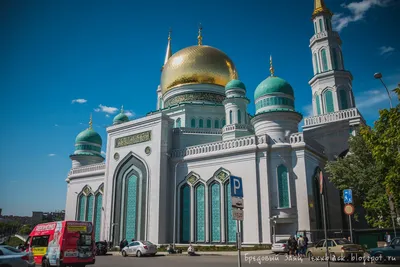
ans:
(296, 138)
(221, 145)
(323, 34)
(234, 127)
(332, 117)
(89, 168)
(197, 130)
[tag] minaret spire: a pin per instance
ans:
(168, 54)
(320, 7)
(122, 109)
(90, 122)
(200, 37)
(271, 68)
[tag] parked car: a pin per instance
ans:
(13, 257)
(139, 248)
(280, 246)
(388, 253)
(101, 248)
(338, 249)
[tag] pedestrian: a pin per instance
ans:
(292, 245)
(300, 246)
(388, 239)
(191, 250)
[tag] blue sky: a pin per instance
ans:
(105, 54)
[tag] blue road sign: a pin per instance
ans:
(348, 196)
(236, 186)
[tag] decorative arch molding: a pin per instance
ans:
(221, 175)
(192, 178)
(100, 190)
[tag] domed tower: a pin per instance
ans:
(196, 74)
(275, 112)
(121, 117)
(87, 148)
(235, 103)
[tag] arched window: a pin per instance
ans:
(89, 208)
(316, 63)
(200, 213)
(193, 123)
(216, 124)
(329, 101)
(230, 117)
(201, 123)
(334, 59)
(131, 207)
(81, 207)
(343, 99)
(283, 187)
(230, 222)
(223, 122)
(324, 60)
(178, 123)
(239, 116)
(208, 123)
(185, 214)
(215, 212)
(97, 216)
(315, 27)
(318, 104)
(320, 25)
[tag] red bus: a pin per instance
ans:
(64, 243)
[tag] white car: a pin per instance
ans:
(139, 248)
(280, 246)
(12, 257)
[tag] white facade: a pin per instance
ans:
(165, 178)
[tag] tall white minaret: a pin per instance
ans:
(331, 84)
(168, 54)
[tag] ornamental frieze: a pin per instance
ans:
(133, 139)
(195, 97)
(192, 179)
(222, 176)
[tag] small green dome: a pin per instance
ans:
(233, 84)
(272, 85)
(89, 135)
(120, 118)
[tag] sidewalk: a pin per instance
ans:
(209, 253)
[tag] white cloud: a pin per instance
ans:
(308, 111)
(129, 113)
(56, 125)
(385, 49)
(51, 155)
(372, 100)
(79, 101)
(107, 115)
(357, 10)
(105, 109)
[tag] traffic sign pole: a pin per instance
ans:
(321, 181)
(349, 210)
(239, 241)
(237, 211)
(351, 229)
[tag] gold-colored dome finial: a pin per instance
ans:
(168, 53)
(271, 68)
(91, 122)
(200, 37)
(169, 34)
(320, 7)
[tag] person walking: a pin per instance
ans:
(292, 245)
(300, 246)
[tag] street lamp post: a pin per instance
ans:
(378, 76)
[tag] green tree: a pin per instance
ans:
(359, 171)
(25, 230)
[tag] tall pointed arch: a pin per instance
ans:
(98, 211)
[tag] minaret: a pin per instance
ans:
(331, 84)
(168, 54)
(200, 36)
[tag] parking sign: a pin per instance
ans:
(236, 186)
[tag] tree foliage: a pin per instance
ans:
(25, 230)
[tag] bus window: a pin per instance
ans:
(40, 241)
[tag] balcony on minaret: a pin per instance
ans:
(332, 36)
(352, 115)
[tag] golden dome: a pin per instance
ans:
(199, 64)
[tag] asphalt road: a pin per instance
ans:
(217, 261)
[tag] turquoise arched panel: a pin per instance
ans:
(324, 60)
(208, 123)
(89, 209)
(97, 219)
(329, 101)
(193, 123)
(201, 123)
(230, 222)
(185, 214)
(215, 213)
(81, 207)
(131, 207)
(230, 117)
(315, 27)
(316, 63)
(318, 104)
(283, 187)
(178, 123)
(200, 214)
(216, 124)
(343, 99)
(223, 122)
(239, 116)
(320, 25)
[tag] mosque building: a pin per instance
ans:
(166, 177)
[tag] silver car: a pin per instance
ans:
(280, 246)
(139, 248)
(12, 257)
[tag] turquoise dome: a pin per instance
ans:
(234, 84)
(273, 85)
(89, 135)
(120, 118)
